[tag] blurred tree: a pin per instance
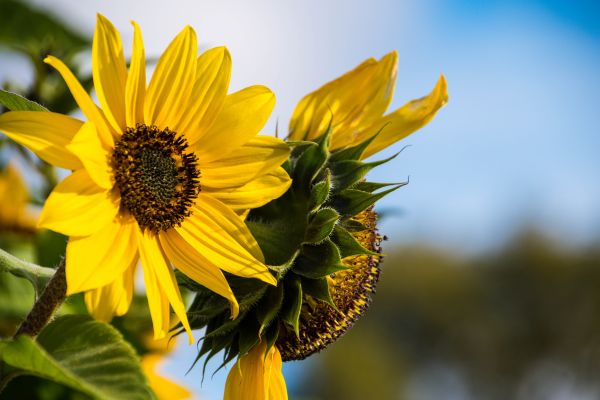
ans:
(507, 325)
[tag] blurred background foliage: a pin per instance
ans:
(521, 322)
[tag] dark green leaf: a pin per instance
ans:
(86, 355)
(15, 102)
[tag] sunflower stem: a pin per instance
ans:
(44, 308)
(38, 276)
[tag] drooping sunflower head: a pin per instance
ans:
(321, 235)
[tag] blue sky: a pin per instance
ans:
(517, 145)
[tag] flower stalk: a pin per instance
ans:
(38, 276)
(44, 308)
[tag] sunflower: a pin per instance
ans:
(164, 388)
(334, 270)
(161, 174)
(355, 104)
(14, 197)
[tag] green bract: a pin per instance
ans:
(304, 236)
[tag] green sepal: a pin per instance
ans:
(352, 225)
(318, 261)
(318, 289)
(321, 225)
(292, 303)
(354, 152)
(373, 186)
(15, 102)
(269, 306)
(350, 202)
(347, 173)
(248, 335)
(225, 327)
(348, 245)
(271, 336)
(308, 166)
(320, 191)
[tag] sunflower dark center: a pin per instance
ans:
(156, 176)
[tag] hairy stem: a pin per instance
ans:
(37, 275)
(44, 308)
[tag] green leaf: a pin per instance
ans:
(15, 102)
(320, 191)
(321, 225)
(318, 289)
(32, 28)
(86, 355)
(292, 303)
(318, 261)
(347, 244)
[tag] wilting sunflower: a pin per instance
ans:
(328, 264)
(161, 173)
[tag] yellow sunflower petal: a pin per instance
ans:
(44, 133)
(96, 260)
(407, 119)
(94, 156)
(243, 115)
(113, 299)
(14, 197)
(197, 267)
(159, 275)
(77, 206)
(256, 376)
(260, 155)
(255, 193)
(135, 88)
(220, 235)
(172, 82)
(109, 72)
(83, 99)
(277, 387)
(353, 100)
(165, 389)
(208, 95)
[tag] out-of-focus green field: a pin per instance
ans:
(520, 323)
